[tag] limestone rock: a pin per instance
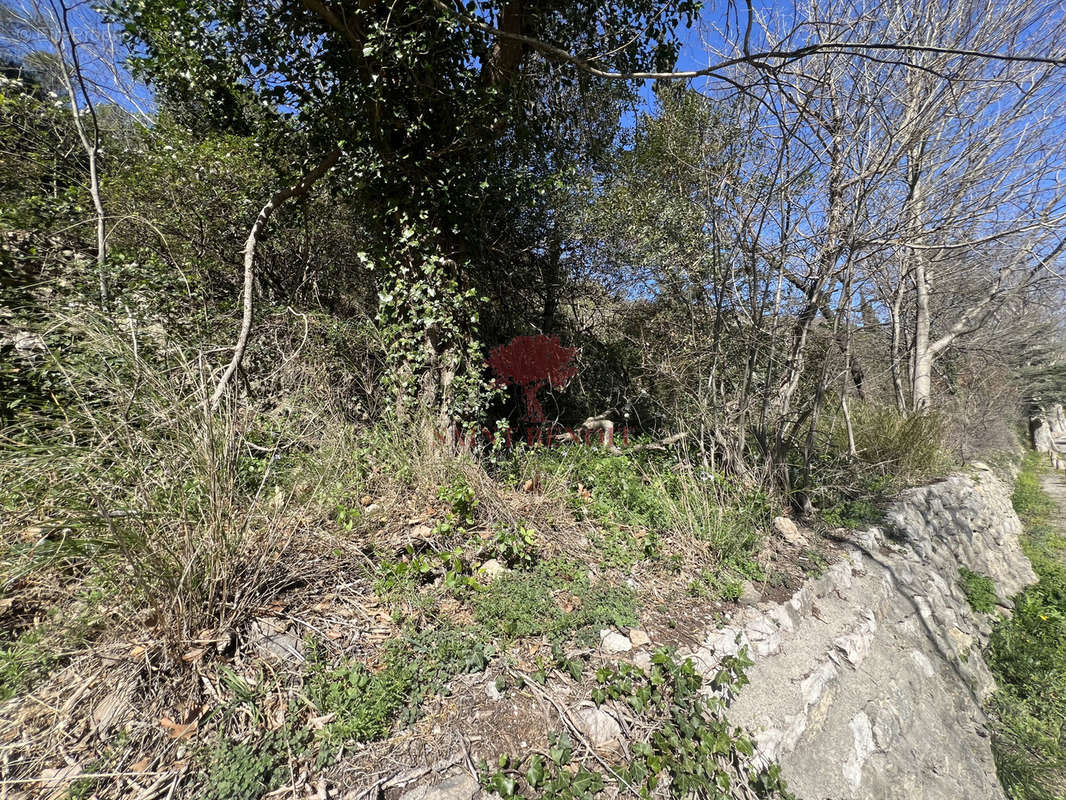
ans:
(458, 787)
(602, 730)
(492, 569)
(789, 531)
(271, 640)
(869, 682)
(749, 595)
(639, 638)
(614, 642)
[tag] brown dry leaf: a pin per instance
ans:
(178, 731)
(142, 765)
(193, 655)
(366, 500)
(56, 779)
(568, 602)
(137, 651)
(334, 634)
(277, 713)
(33, 533)
(318, 723)
(107, 712)
(528, 486)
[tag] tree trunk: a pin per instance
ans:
(90, 141)
(897, 337)
(816, 287)
(277, 199)
(921, 389)
(922, 375)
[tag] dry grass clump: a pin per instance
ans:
(142, 493)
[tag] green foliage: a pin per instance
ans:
(908, 446)
(24, 660)
(461, 501)
(366, 704)
(813, 562)
(241, 771)
(1027, 655)
(851, 513)
(980, 590)
(643, 499)
(554, 599)
(447, 144)
(692, 749)
(894, 450)
(248, 770)
(28, 656)
(159, 498)
(1029, 499)
(43, 185)
(515, 546)
(715, 586)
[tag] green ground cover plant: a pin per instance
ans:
(692, 749)
(1027, 654)
(980, 590)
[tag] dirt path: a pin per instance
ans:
(1055, 485)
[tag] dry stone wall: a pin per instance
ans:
(869, 682)
(1048, 429)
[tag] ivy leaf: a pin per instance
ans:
(503, 785)
(576, 668)
(535, 774)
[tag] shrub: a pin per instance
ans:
(908, 445)
(980, 590)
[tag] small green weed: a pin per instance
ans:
(813, 562)
(616, 546)
(980, 590)
(853, 514)
(24, 661)
(365, 704)
(247, 770)
(555, 599)
(515, 546)
(241, 771)
(461, 500)
(715, 586)
(31, 655)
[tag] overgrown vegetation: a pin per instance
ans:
(289, 291)
(686, 743)
(1027, 654)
